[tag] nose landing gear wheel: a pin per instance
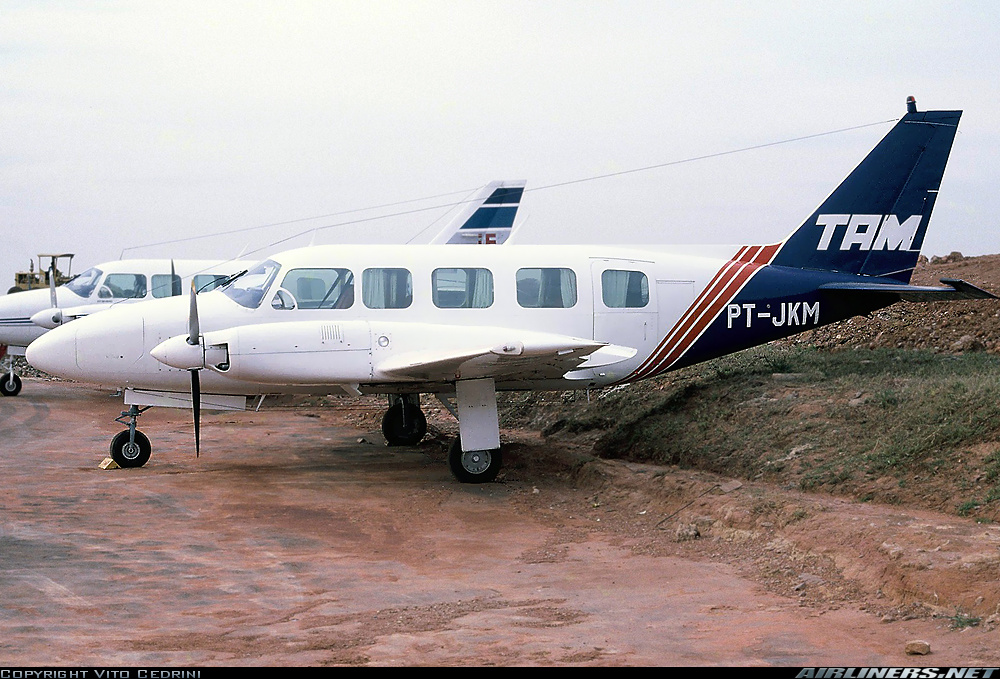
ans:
(10, 385)
(474, 466)
(126, 454)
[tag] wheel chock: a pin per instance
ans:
(108, 463)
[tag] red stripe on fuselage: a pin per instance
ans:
(720, 291)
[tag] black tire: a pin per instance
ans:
(126, 455)
(10, 385)
(11, 291)
(474, 466)
(398, 433)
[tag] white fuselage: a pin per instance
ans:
(99, 288)
(619, 296)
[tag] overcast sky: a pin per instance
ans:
(127, 124)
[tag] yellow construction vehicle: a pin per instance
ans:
(39, 278)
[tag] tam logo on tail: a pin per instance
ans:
(869, 232)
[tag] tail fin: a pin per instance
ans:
(874, 222)
(488, 218)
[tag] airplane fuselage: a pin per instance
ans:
(99, 288)
(419, 300)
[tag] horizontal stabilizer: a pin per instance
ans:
(956, 290)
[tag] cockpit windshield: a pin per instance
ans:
(85, 283)
(248, 290)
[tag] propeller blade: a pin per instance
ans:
(196, 408)
(52, 284)
(175, 282)
(194, 328)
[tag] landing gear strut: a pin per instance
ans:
(404, 424)
(475, 457)
(130, 448)
(10, 383)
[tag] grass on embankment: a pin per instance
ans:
(882, 425)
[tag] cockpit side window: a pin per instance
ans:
(85, 283)
(124, 286)
(248, 290)
(321, 288)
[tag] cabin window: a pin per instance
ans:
(208, 281)
(387, 288)
(462, 288)
(546, 288)
(321, 288)
(165, 285)
(123, 286)
(624, 289)
(84, 284)
(248, 290)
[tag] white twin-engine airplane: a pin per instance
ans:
(486, 218)
(467, 322)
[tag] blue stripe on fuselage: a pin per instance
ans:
(779, 302)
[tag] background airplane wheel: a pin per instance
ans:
(10, 385)
(398, 434)
(474, 466)
(127, 454)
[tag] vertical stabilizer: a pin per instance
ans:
(874, 223)
(488, 219)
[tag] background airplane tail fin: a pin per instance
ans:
(488, 218)
(874, 223)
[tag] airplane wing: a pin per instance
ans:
(548, 357)
(54, 316)
(956, 290)
(356, 352)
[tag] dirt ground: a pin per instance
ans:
(299, 539)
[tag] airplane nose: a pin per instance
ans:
(97, 348)
(54, 352)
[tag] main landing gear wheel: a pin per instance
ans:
(403, 428)
(474, 466)
(10, 384)
(126, 454)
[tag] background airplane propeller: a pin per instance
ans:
(57, 316)
(175, 281)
